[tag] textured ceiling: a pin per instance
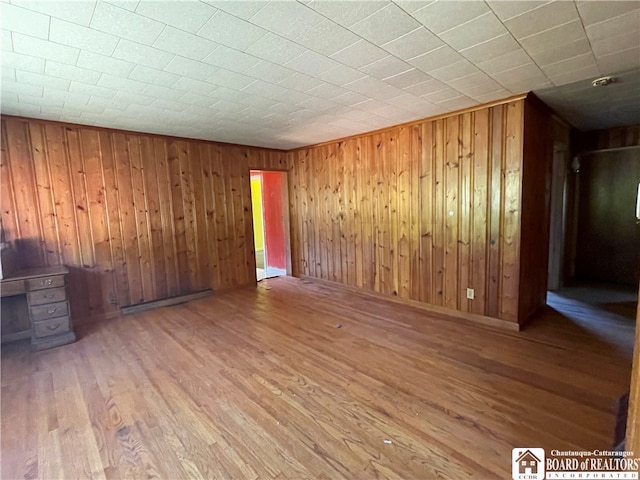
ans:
(284, 73)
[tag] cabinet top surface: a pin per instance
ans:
(36, 272)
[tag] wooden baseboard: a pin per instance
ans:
(434, 310)
(165, 302)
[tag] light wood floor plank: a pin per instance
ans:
(293, 379)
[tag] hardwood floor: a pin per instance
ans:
(299, 380)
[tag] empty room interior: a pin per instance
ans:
(318, 239)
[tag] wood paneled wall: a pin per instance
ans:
(421, 212)
(135, 217)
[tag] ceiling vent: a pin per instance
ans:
(602, 81)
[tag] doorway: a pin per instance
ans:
(269, 198)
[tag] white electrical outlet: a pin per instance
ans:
(471, 294)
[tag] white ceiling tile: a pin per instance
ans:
(326, 38)
(493, 48)
(504, 62)
(440, 16)
(626, 23)
(108, 103)
(191, 68)
(620, 61)
(311, 63)
(118, 21)
(326, 90)
(359, 54)
(244, 9)
(413, 44)
(546, 16)
(593, 12)
(119, 83)
(185, 15)
(300, 82)
(408, 78)
(195, 86)
(44, 49)
(68, 33)
(22, 87)
(232, 59)
(386, 67)
(65, 96)
(264, 89)
(24, 21)
(346, 13)
(196, 99)
(522, 78)
(28, 99)
(102, 63)
(154, 76)
(341, 75)
(227, 78)
(71, 72)
(571, 76)
(142, 54)
(130, 5)
(425, 88)
(37, 79)
(373, 87)
(561, 52)
(23, 62)
(275, 49)
(130, 98)
(457, 103)
(492, 96)
(385, 25)
(411, 6)
(183, 43)
(169, 105)
(438, 58)
(72, 11)
(482, 90)
(268, 71)
(159, 91)
(567, 33)
(231, 31)
(509, 9)
(6, 41)
(611, 45)
(441, 95)
(288, 19)
(478, 30)
(473, 80)
(8, 73)
(574, 63)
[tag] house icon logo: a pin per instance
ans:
(527, 463)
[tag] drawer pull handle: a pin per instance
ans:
(49, 295)
(52, 310)
(48, 281)
(52, 327)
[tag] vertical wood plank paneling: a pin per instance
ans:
(102, 271)
(24, 193)
(127, 213)
(150, 165)
(114, 225)
(452, 212)
(46, 200)
(480, 188)
(135, 217)
(171, 216)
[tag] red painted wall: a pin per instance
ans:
(273, 219)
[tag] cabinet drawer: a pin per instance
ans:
(45, 282)
(49, 295)
(51, 310)
(11, 287)
(53, 326)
